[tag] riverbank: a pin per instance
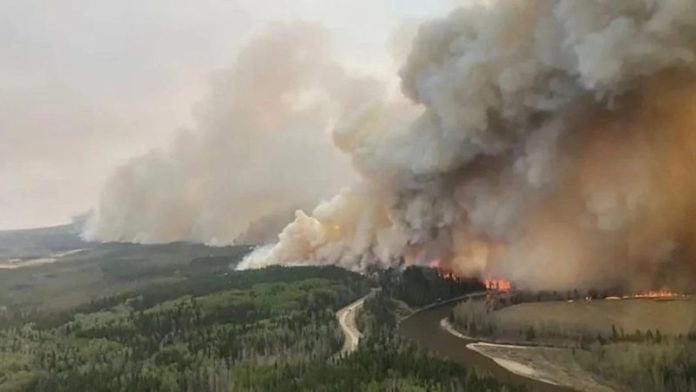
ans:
(550, 365)
(555, 366)
(424, 328)
(412, 312)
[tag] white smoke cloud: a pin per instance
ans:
(261, 147)
(532, 143)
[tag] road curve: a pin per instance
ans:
(346, 319)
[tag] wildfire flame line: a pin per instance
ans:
(493, 284)
(657, 294)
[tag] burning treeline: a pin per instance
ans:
(554, 147)
(546, 142)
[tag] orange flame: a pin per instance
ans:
(493, 284)
(657, 294)
(435, 263)
(442, 271)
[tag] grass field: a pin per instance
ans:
(644, 345)
(669, 316)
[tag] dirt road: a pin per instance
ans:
(346, 318)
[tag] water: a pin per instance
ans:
(424, 328)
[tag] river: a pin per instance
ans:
(424, 328)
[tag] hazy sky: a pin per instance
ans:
(85, 85)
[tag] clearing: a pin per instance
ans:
(676, 316)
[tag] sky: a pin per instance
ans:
(87, 85)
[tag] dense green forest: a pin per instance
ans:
(184, 336)
(273, 329)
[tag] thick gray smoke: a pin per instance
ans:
(261, 149)
(553, 148)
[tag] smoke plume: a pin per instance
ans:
(261, 148)
(553, 147)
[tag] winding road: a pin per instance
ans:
(346, 318)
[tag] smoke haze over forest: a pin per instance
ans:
(515, 138)
(553, 148)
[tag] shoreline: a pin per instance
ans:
(512, 366)
(548, 373)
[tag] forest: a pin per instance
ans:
(272, 329)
